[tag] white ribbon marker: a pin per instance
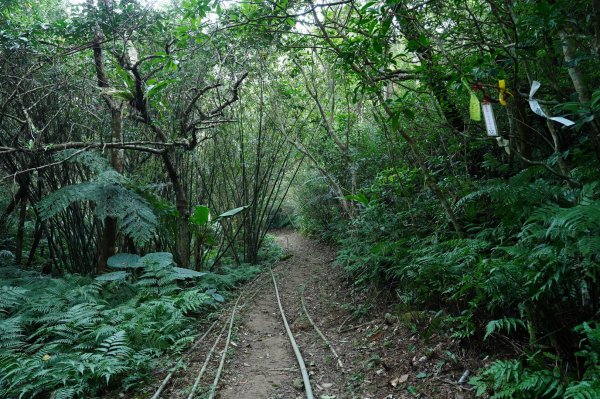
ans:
(537, 109)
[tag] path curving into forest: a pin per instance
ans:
(365, 356)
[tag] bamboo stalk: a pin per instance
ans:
(206, 360)
(213, 388)
(323, 337)
(170, 375)
(305, 378)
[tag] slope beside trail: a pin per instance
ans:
(380, 347)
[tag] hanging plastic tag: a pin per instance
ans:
(490, 121)
(474, 108)
(474, 105)
(502, 142)
(503, 92)
(537, 109)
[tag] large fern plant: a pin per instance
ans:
(556, 257)
(74, 336)
(111, 194)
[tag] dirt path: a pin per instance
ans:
(381, 346)
(265, 366)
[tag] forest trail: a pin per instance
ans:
(264, 366)
(381, 357)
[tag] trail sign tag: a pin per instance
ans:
(490, 121)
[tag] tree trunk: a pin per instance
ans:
(574, 72)
(19, 195)
(37, 236)
(107, 244)
(579, 84)
(198, 253)
(182, 255)
(522, 130)
(21, 231)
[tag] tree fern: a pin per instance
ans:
(134, 215)
(111, 198)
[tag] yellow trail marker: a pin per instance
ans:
(503, 92)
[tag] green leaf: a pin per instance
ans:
(232, 212)
(125, 76)
(114, 276)
(200, 216)
(507, 324)
(367, 5)
(408, 113)
(160, 258)
(395, 120)
(153, 89)
(358, 197)
(182, 273)
(213, 293)
(120, 261)
(377, 46)
(125, 95)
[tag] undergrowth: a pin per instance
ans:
(78, 337)
(526, 272)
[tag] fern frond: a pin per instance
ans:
(507, 324)
(583, 390)
(11, 333)
(111, 199)
(115, 345)
(11, 297)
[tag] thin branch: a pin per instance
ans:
(14, 175)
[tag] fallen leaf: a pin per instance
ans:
(399, 380)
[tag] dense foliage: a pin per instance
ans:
(193, 126)
(77, 336)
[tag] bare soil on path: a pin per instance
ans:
(381, 352)
(380, 344)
